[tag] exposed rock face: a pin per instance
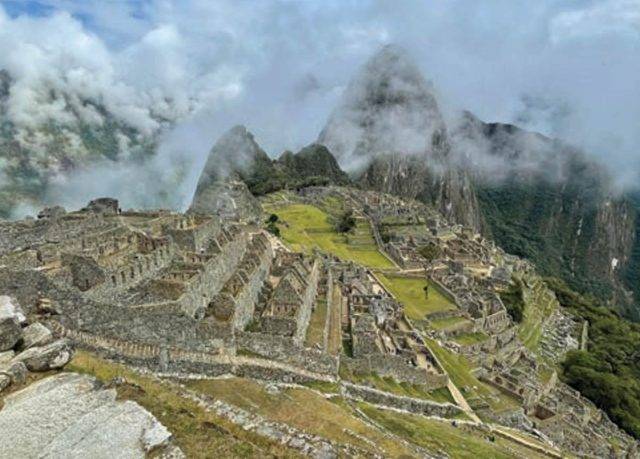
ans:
(15, 371)
(70, 415)
(390, 133)
(9, 307)
(36, 335)
(10, 333)
(219, 189)
(546, 201)
(49, 357)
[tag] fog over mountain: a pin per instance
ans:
(158, 81)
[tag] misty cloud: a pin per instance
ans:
(569, 69)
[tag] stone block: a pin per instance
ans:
(49, 357)
(10, 333)
(36, 335)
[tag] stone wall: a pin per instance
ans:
(214, 274)
(304, 311)
(412, 405)
(247, 298)
(281, 326)
(396, 368)
(194, 237)
(282, 349)
(178, 361)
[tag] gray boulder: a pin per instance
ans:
(6, 357)
(36, 335)
(15, 371)
(9, 307)
(73, 416)
(49, 357)
(10, 333)
(5, 381)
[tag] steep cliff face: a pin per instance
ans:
(313, 162)
(389, 134)
(546, 201)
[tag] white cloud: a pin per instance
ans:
(213, 64)
(607, 17)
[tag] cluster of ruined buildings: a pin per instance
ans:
(203, 284)
(213, 294)
(471, 271)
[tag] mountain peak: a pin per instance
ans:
(387, 108)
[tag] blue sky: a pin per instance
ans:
(569, 69)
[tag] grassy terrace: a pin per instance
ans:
(539, 305)
(304, 409)
(449, 323)
(410, 292)
(460, 369)
(466, 339)
(458, 442)
(386, 384)
(199, 433)
(317, 322)
(304, 227)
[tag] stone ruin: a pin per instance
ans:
(195, 294)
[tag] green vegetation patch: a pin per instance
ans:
(466, 339)
(303, 409)
(449, 323)
(317, 322)
(539, 304)
(608, 372)
(305, 227)
(199, 433)
(387, 384)
(444, 437)
(410, 292)
(460, 370)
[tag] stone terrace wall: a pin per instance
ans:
(248, 297)
(282, 349)
(396, 368)
(413, 405)
(304, 312)
(194, 238)
(177, 361)
(216, 271)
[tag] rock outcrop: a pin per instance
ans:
(49, 357)
(220, 189)
(71, 415)
(576, 227)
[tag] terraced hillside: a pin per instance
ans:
(318, 343)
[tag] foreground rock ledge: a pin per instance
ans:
(71, 415)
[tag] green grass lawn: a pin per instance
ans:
(437, 436)
(460, 369)
(539, 305)
(409, 291)
(386, 384)
(304, 227)
(449, 323)
(466, 339)
(317, 323)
